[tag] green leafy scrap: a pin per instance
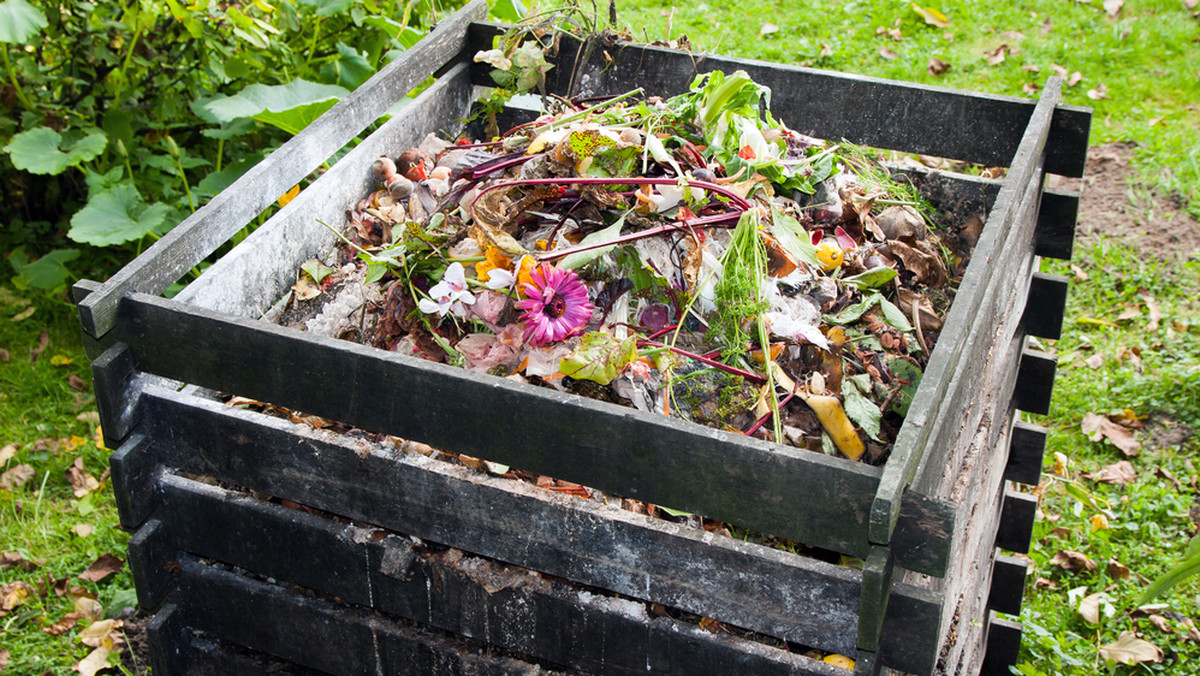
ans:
(859, 408)
(599, 358)
(20, 21)
(290, 107)
(116, 216)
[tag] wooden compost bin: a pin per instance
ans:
(398, 563)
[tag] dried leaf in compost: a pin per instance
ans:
(102, 567)
(1128, 649)
(1098, 427)
(1117, 473)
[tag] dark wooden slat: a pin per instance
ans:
(1055, 236)
(1016, 522)
(165, 638)
(150, 560)
(1045, 305)
(979, 128)
(214, 223)
(1003, 647)
(256, 273)
(1008, 584)
(113, 373)
(1025, 452)
(745, 585)
(1035, 384)
(135, 478)
(876, 589)
(996, 261)
(512, 608)
(334, 637)
(91, 346)
(211, 657)
(866, 663)
(665, 461)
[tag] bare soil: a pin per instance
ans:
(1112, 206)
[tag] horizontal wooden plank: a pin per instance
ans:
(979, 128)
(1045, 305)
(515, 609)
(1003, 647)
(113, 373)
(1035, 384)
(1055, 236)
(1025, 452)
(993, 281)
(1008, 584)
(150, 560)
(803, 496)
(210, 226)
(258, 271)
(325, 635)
(746, 585)
(135, 480)
(1016, 522)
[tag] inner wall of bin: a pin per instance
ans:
(256, 273)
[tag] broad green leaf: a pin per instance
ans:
(37, 151)
(49, 271)
(852, 313)
(326, 8)
(894, 315)
(20, 21)
(859, 408)
(349, 68)
(316, 269)
(572, 261)
(599, 358)
(116, 216)
(217, 181)
(507, 11)
(290, 106)
(873, 278)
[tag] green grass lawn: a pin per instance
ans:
(1137, 69)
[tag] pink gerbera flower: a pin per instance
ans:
(556, 305)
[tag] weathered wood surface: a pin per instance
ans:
(978, 128)
(513, 608)
(258, 271)
(201, 233)
(1055, 236)
(1007, 590)
(979, 320)
(1046, 305)
(325, 635)
(620, 450)
(1003, 647)
(746, 585)
(135, 480)
(1016, 522)
(1025, 453)
(1035, 386)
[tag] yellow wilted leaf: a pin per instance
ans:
(1060, 464)
(1099, 522)
(60, 360)
(289, 195)
(102, 634)
(74, 442)
(94, 662)
(932, 16)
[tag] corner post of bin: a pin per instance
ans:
(200, 234)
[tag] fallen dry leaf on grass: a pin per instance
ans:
(1117, 473)
(887, 54)
(1095, 361)
(1155, 311)
(768, 29)
(16, 477)
(1113, 7)
(63, 625)
(13, 560)
(82, 482)
(1100, 92)
(8, 453)
(1098, 427)
(83, 529)
(1072, 561)
(43, 343)
(13, 594)
(937, 67)
(1128, 649)
(1117, 571)
(997, 56)
(102, 567)
(1094, 605)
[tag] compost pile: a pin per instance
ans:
(690, 257)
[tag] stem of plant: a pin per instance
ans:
(752, 377)
(16, 83)
(186, 188)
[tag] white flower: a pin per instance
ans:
(499, 278)
(449, 295)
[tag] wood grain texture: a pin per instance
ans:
(1045, 305)
(668, 462)
(1025, 453)
(746, 585)
(876, 590)
(979, 128)
(326, 635)
(513, 608)
(1000, 261)
(201, 233)
(258, 271)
